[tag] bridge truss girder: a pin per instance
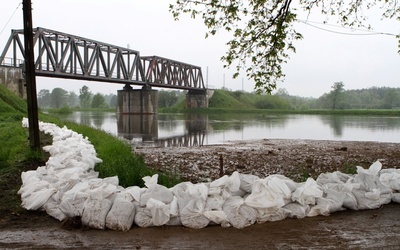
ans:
(63, 55)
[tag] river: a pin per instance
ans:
(206, 129)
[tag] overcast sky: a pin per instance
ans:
(322, 58)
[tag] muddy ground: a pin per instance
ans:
(368, 229)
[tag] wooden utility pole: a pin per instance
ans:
(31, 97)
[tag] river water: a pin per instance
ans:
(206, 129)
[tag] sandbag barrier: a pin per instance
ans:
(67, 186)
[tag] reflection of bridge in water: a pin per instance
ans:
(143, 129)
(193, 139)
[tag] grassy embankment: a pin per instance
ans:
(240, 102)
(16, 155)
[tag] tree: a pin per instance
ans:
(58, 98)
(336, 94)
(85, 96)
(98, 101)
(113, 101)
(73, 99)
(390, 98)
(282, 92)
(167, 98)
(44, 98)
(263, 33)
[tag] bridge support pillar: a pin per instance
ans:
(197, 99)
(137, 101)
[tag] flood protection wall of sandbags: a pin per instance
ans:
(67, 186)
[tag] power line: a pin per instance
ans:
(1, 32)
(370, 32)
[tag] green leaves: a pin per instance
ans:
(263, 33)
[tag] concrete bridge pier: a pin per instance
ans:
(137, 101)
(197, 98)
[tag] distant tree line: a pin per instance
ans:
(339, 98)
(60, 98)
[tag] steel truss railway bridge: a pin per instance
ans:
(61, 55)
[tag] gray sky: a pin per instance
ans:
(322, 58)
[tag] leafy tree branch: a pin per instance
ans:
(263, 33)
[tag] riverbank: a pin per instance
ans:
(368, 229)
(296, 159)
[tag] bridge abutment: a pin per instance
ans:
(137, 101)
(197, 98)
(13, 79)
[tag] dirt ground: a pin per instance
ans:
(368, 229)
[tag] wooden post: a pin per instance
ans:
(31, 97)
(221, 166)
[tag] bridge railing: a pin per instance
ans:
(63, 55)
(11, 62)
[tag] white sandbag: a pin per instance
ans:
(279, 184)
(175, 219)
(350, 200)
(246, 182)
(330, 203)
(143, 217)
(160, 213)
(216, 198)
(232, 183)
(217, 217)
(72, 203)
(192, 213)
(238, 213)
(290, 184)
(32, 187)
(264, 215)
(391, 178)
(95, 213)
(157, 192)
(363, 202)
(264, 196)
(371, 193)
(150, 180)
(297, 210)
(121, 214)
(396, 197)
(187, 191)
(29, 177)
(72, 200)
(191, 203)
(37, 199)
(52, 208)
(334, 177)
(135, 192)
(307, 192)
(101, 190)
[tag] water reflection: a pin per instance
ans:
(165, 130)
(336, 123)
(372, 124)
(144, 126)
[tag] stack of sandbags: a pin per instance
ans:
(67, 186)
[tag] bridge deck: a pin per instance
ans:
(63, 55)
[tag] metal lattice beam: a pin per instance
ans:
(63, 55)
